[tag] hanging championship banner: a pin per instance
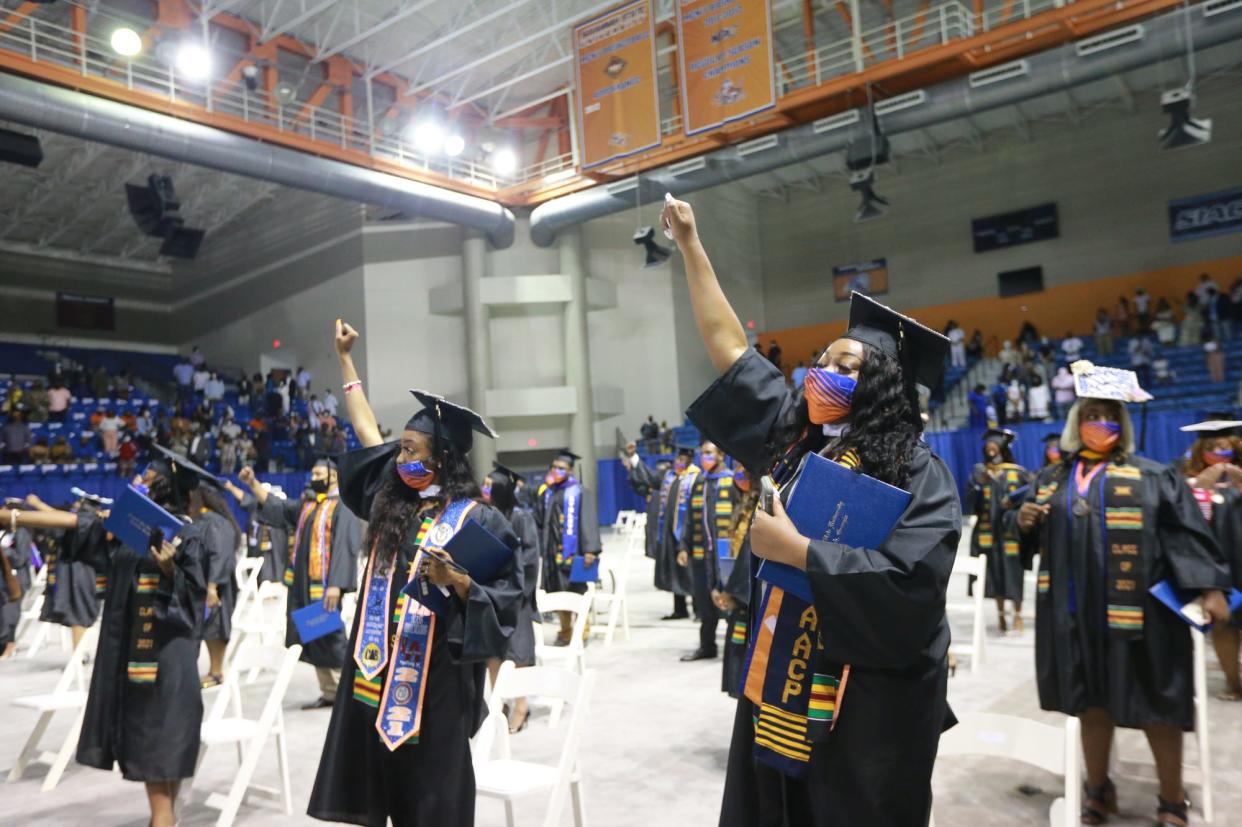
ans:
(615, 71)
(725, 51)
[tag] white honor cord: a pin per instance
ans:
(835, 430)
(430, 491)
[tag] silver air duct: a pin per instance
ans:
(67, 112)
(1130, 47)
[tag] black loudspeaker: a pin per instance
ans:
(16, 148)
(154, 206)
(182, 242)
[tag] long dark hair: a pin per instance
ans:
(397, 507)
(882, 425)
(503, 498)
(210, 499)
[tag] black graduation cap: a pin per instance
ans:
(1052, 437)
(513, 476)
(568, 456)
(1002, 436)
(442, 419)
(185, 473)
(919, 350)
(686, 450)
(325, 459)
(1218, 423)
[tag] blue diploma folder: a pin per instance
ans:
(580, 572)
(313, 621)
(1181, 601)
(831, 502)
(135, 516)
(473, 548)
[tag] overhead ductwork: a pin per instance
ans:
(1096, 58)
(68, 112)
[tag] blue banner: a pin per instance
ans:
(1201, 216)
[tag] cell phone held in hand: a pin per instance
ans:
(767, 494)
(156, 539)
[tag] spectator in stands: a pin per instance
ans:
(1000, 395)
(1063, 390)
(1142, 309)
(110, 432)
(337, 444)
(774, 354)
(1038, 400)
(245, 451)
(1163, 373)
(183, 372)
(978, 400)
(58, 399)
(61, 452)
(666, 437)
(957, 344)
(142, 423)
(1008, 356)
(101, 382)
(244, 388)
(1015, 401)
(650, 432)
(228, 454)
(201, 449)
(303, 382)
(1219, 315)
(1235, 301)
(263, 450)
(798, 375)
(285, 391)
(1046, 349)
(1206, 283)
(1214, 358)
(16, 438)
(96, 418)
(36, 402)
(214, 390)
(330, 403)
(201, 377)
(121, 384)
(197, 359)
(1123, 317)
(88, 445)
(1103, 332)
(39, 453)
(1165, 326)
(1071, 346)
(1141, 354)
(126, 457)
(974, 350)
(306, 443)
(80, 385)
(1028, 335)
(1192, 322)
(315, 413)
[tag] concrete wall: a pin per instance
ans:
(1110, 182)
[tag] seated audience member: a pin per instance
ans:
(61, 451)
(39, 451)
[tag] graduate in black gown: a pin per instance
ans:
(1214, 473)
(844, 696)
(16, 552)
(733, 596)
(1109, 526)
(269, 542)
(708, 518)
(996, 486)
(498, 492)
(322, 563)
(569, 527)
(144, 707)
(411, 697)
(675, 493)
(74, 587)
(1052, 450)
(648, 483)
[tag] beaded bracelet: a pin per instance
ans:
(350, 386)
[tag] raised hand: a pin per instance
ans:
(345, 338)
(678, 216)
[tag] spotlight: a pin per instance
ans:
(504, 161)
(126, 42)
(454, 145)
(428, 137)
(1184, 130)
(193, 61)
(285, 92)
(250, 77)
(872, 205)
(656, 255)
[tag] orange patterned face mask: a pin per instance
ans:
(829, 395)
(1101, 437)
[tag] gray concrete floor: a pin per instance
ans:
(654, 747)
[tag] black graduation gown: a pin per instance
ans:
(670, 577)
(267, 541)
(880, 610)
(152, 731)
(1004, 572)
(1078, 664)
(521, 649)
(219, 567)
(551, 537)
(737, 620)
(329, 650)
(645, 482)
(1227, 528)
(70, 598)
(430, 782)
(16, 546)
(701, 529)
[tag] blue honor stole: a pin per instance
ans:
(571, 510)
(665, 484)
(400, 709)
(684, 487)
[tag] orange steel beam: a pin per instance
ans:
(849, 24)
(919, 23)
(564, 142)
(17, 15)
(978, 15)
(1006, 11)
(808, 31)
(547, 133)
(528, 122)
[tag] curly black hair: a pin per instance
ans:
(883, 428)
(397, 507)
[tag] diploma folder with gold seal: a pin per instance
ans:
(474, 551)
(135, 520)
(830, 502)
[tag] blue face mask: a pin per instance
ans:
(415, 474)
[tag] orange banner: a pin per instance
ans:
(615, 68)
(725, 50)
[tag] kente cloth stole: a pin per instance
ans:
(1123, 538)
(308, 509)
(1043, 496)
(143, 666)
(714, 525)
(787, 677)
(319, 523)
(101, 585)
(399, 718)
(737, 631)
(684, 489)
(987, 532)
(571, 519)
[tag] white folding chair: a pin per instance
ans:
(69, 695)
(1052, 748)
(573, 656)
(614, 569)
(251, 736)
(498, 775)
(976, 650)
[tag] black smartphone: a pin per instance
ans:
(156, 538)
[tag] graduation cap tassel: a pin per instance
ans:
(905, 358)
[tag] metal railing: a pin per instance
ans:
(90, 56)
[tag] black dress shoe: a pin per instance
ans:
(699, 654)
(676, 616)
(318, 703)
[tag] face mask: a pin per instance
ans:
(828, 395)
(142, 489)
(994, 459)
(708, 461)
(1101, 437)
(486, 491)
(1217, 457)
(1053, 455)
(679, 465)
(556, 475)
(741, 480)
(319, 486)
(415, 474)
